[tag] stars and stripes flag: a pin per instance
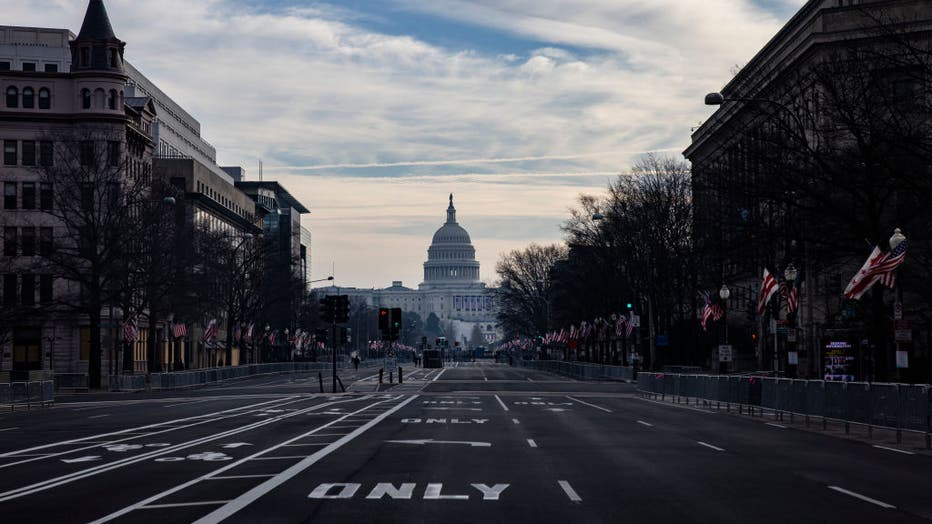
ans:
(272, 337)
(768, 288)
(131, 330)
(709, 310)
(880, 266)
(248, 334)
(210, 332)
(792, 298)
(630, 328)
(179, 330)
(572, 333)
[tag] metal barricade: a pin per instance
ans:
(884, 404)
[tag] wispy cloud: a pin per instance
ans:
(322, 94)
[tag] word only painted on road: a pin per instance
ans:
(451, 402)
(404, 491)
(444, 421)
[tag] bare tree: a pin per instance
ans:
(522, 293)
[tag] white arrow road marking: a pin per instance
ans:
(421, 442)
(89, 458)
(234, 445)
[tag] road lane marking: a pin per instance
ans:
(680, 406)
(458, 409)
(8, 429)
(423, 441)
(590, 405)
(438, 375)
(100, 416)
(648, 424)
(530, 442)
(290, 457)
(529, 379)
(570, 492)
(255, 493)
(189, 403)
(134, 432)
(499, 399)
(862, 497)
(895, 450)
(186, 504)
(235, 477)
(516, 421)
(71, 477)
(710, 446)
(776, 425)
(309, 444)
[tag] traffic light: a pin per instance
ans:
(342, 309)
(383, 319)
(328, 309)
(395, 326)
(630, 306)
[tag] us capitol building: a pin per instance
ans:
(451, 288)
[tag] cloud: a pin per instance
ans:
(321, 97)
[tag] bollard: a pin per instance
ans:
(399, 375)
(320, 378)
(391, 379)
(381, 370)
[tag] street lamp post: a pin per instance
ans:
(724, 293)
(789, 275)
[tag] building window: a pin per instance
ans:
(28, 240)
(113, 153)
(29, 98)
(45, 241)
(86, 98)
(46, 156)
(112, 99)
(4, 66)
(28, 290)
(29, 66)
(87, 153)
(9, 153)
(29, 195)
(45, 289)
(9, 290)
(114, 61)
(9, 195)
(45, 98)
(51, 68)
(29, 152)
(85, 56)
(10, 237)
(12, 97)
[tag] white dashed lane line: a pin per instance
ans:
(648, 424)
(710, 446)
(530, 442)
(776, 425)
(862, 497)
(590, 405)
(570, 492)
(516, 421)
(499, 399)
(903, 451)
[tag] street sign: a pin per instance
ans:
(792, 358)
(636, 320)
(725, 353)
(902, 359)
(902, 331)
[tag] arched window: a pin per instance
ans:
(45, 98)
(86, 98)
(112, 99)
(29, 98)
(12, 97)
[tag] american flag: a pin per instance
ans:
(272, 337)
(792, 298)
(180, 330)
(630, 328)
(767, 289)
(248, 334)
(879, 266)
(210, 332)
(620, 325)
(706, 312)
(131, 330)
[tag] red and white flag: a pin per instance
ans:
(210, 332)
(180, 330)
(620, 325)
(131, 330)
(792, 298)
(767, 289)
(879, 266)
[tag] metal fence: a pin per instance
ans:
(27, 394)
(580, 370)
(902, 407)
(203, 377)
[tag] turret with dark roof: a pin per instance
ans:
(97, 48)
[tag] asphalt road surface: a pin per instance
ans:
(466, 444)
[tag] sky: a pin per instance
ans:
(371, 112)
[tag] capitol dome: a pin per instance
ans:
(451, 256)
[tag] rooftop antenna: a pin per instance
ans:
(260, 170)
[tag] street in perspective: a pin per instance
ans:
(705, 291)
